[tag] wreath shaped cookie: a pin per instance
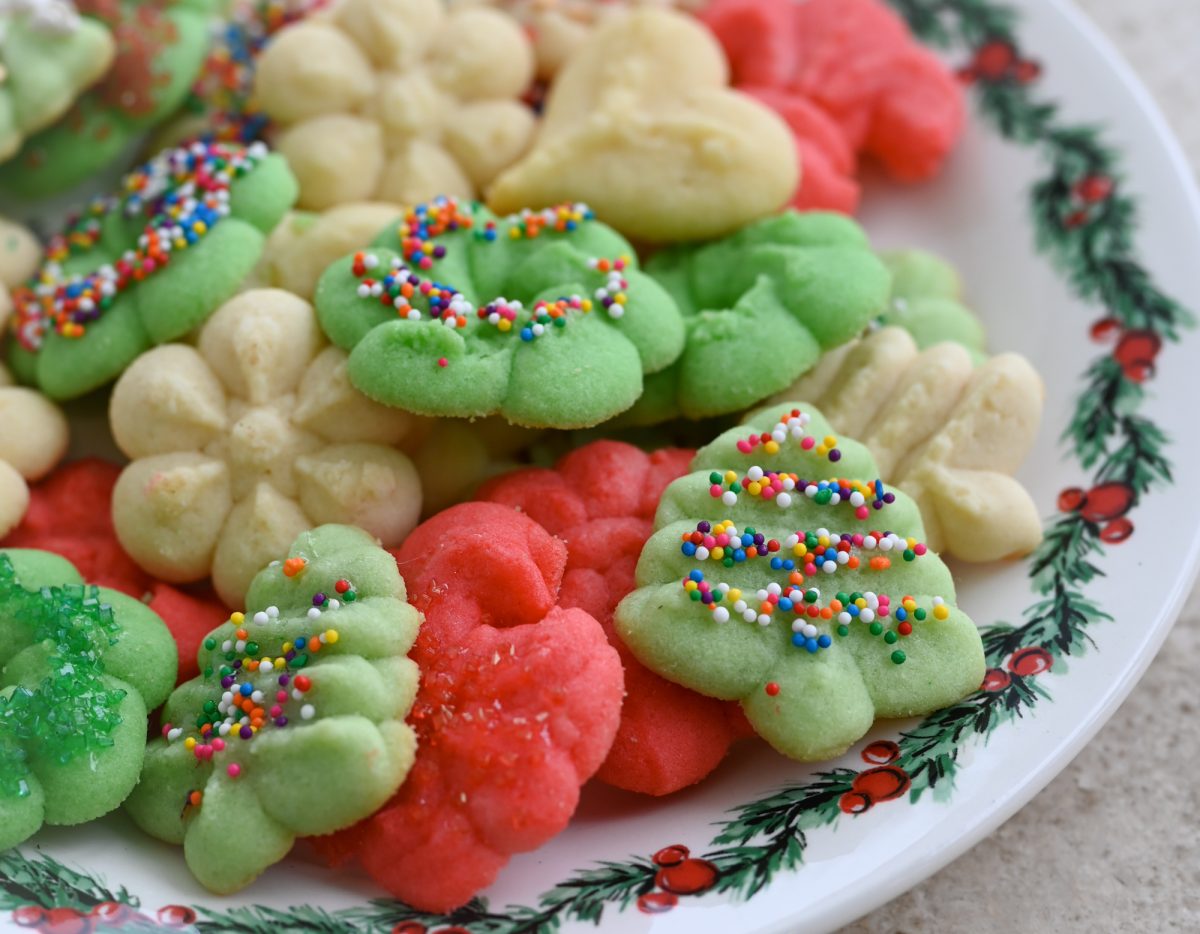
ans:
(542, 317)
(308, 689)
(810, 598)
(147, 266)
(761, 306)
(79, 668)
(246, 440)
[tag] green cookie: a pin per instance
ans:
(79, 668)
(761, 306)
(160, 48)
(455, 312)
(149, 267)
(819, 611)
(316, 740)
(926, 302)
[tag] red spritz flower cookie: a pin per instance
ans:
(70, 513)
(848, 69)
(600, 500)
(519, 703)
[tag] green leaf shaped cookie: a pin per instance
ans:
(146, 267)
(927, 302)
(296, 725)
(809, 598)
(79, 668)
(542, 317)
(761, 307)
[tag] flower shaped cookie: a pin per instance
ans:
(296, 725)
(518, 704)
(761, 307)
(248, 439)
(397, 100)
(79, 668)
(768, 584)
(848, 78)
(541, 317)
(642, 125)
(148, 266)
(49, 54)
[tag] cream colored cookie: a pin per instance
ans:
(33, 439)
(247, 439)
(397, 100)
(642, 126)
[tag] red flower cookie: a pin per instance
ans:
(519, 702)
(601, 500)
(70, 514)
(847, 68)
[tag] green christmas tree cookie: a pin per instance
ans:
(542, 317)
(79, 668)
(774, 581)
(295, 726)
(761, 306)
(148, 266)
(927, 302)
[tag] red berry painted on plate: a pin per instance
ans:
(65, 921)
(1138, 371)
(1075, 219)
(1106, 329)
(691, 877)
(854, 802)
(1138, 346)
(1093, 188)
(176, 916)
(1071, 499)
(881, 752)
(1031, 661)
(655, 903)
(1107, 501)
(882, 784)
(993, 60)
(995, 680)
(671, 855)
(1027, 71)
(113, 914)
(28, 916)
(1116, 531)
(409, 927)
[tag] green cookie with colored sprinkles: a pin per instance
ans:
(761, 306)
(542, 317)
(79, 668)
(146, 266)
(295, 726)
(783, 574)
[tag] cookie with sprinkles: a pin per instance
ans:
(542, 317)
(80, 667)
(785, 575)
(761, 307)
(147, 265)
(295, 726)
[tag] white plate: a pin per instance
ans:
(979, 215)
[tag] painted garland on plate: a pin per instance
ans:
(1084, 223)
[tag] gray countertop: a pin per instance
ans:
(1113, 843)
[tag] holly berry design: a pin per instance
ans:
(1104, 505)
(679, 874)
(884, 782)
(997, 60)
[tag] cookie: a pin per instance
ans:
(642, 125)
(79, 668)
(148, 266)
(34, 438)
(927, 302)
(50, 55)
(241, 443)
(807, 597)
(70, 514)
(295, 726)
(848, 69)
(518, 704)
(160, 47)
(808, 281)
(600, 500)
(397, 100)
(541, 317)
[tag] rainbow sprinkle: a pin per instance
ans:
(729, 485)
(791, 425)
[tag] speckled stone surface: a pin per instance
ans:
(1112, 843)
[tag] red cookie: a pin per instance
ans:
(601, 501)
(850, 66)
(70, 514)
(518, 705)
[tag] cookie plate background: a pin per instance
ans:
(1074, 221)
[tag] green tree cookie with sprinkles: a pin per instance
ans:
(784, 575)
(79, 668)
(146, 266)
(761, 306)
(295, 726)
(542, 317)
